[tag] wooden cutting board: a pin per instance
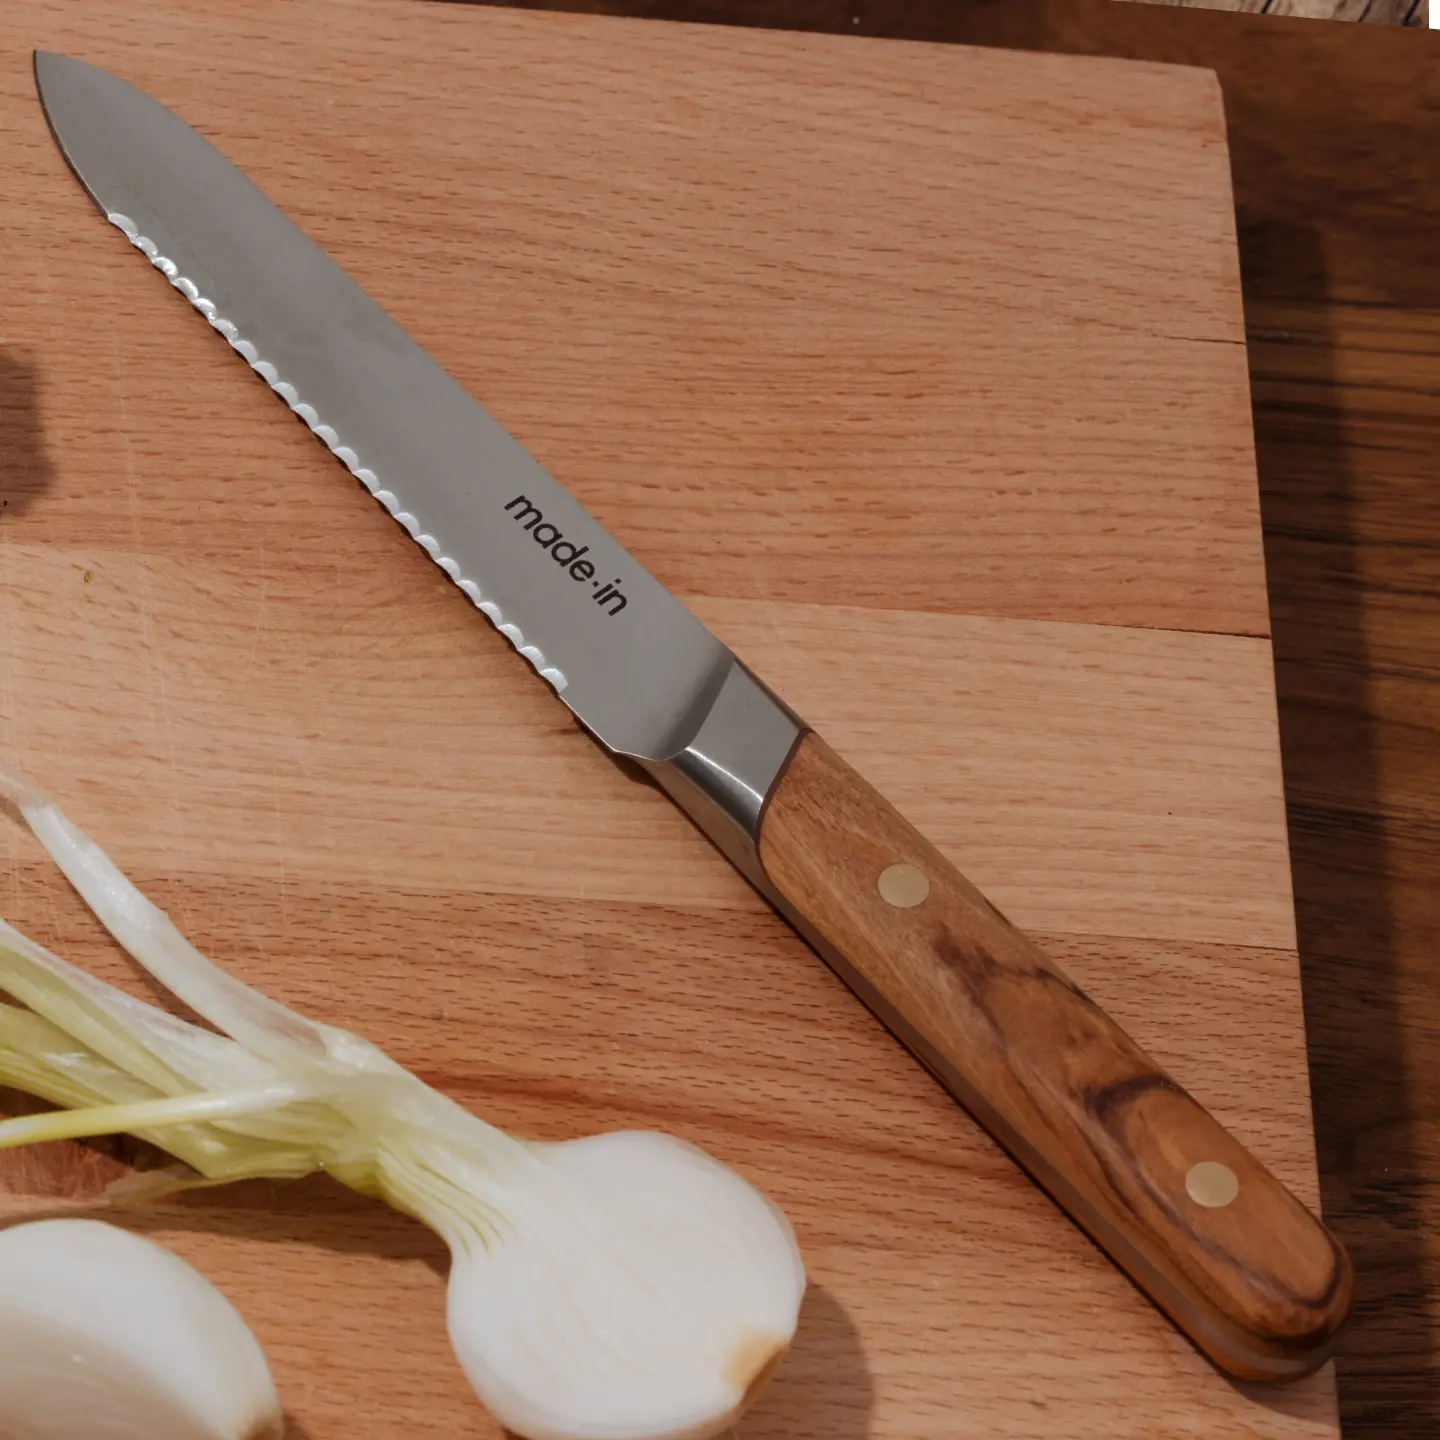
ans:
(919, 373)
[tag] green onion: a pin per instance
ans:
(623, 1286)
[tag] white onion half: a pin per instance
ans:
(108, 1336)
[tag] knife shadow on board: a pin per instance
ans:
(25, 468)
(823, 1391)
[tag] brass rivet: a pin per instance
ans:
(1212, 1184)
(903, 886)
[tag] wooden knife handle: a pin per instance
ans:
(1220, 1245)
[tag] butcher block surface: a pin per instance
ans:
(918, 372)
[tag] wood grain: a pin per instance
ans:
(1252, 1278)
(836, 368)
(291, 728)
(1014, 713)
(1372, 12)
(1333, 134)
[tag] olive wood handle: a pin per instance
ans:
(1215, 1240)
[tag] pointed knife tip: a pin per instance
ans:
(52, 61)
(56, 79)
(42, 61)
(46, 65)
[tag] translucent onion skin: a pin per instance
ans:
(108, 1336)
(619, 1287)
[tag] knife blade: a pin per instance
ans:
(1216, 1241)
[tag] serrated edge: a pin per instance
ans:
(327, 435)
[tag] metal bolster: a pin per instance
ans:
(724, 775)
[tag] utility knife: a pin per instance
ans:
(1200, 1225)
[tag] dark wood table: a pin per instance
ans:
(1367, 12)
(1335, 134)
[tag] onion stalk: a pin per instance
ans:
(624, 1286)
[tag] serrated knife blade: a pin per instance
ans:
(448, 473)
(1215, 1240)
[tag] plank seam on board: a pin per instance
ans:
(1139, 629)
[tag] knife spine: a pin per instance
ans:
(328, 436)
